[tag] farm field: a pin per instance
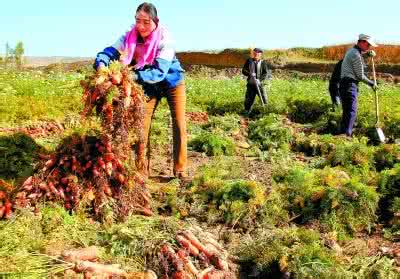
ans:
(281, 192)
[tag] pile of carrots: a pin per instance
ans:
(86, 261)
(84, 170)
(94, 171)
(205, 259)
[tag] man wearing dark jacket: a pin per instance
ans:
(334, 85)
(256, 71)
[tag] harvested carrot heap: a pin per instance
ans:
(94, 171)
(198, 255)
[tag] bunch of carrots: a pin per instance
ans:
(205, 259)
(84, 170)
(94, 170)
(119, 102)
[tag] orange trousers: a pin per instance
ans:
(176, 98)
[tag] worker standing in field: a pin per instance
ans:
(352, 72)
(256, 71)
(334, 85)
(148, 48)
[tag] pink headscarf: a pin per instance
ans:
(146, 54)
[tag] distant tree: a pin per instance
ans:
(9, 54)
(18, 53)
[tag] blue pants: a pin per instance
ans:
(348, 95)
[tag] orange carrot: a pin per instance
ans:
(204, 274)
(190, 236)
(86, 266)
(188, 263)
(43, 186)
(120, 178)
(209, 239)
(84, 254)
(116, 78)
(169, 253)
(50, 163)
(186, 244)
(28, 181)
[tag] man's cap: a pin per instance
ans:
(364, 37)
(257, 50)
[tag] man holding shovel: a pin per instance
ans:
(352, 72)
(256, 71)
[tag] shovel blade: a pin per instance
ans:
(381, 135)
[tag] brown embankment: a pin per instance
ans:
(231, 59)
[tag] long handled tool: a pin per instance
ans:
(259, 95)
(379, 131)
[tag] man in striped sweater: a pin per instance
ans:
(352, 72)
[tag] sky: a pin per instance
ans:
(85, 27)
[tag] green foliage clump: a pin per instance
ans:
(395, 208)
(389, 188)
(386, 156)
(62, 229)
(18, 240)
(372, 267)
(337, 150)
(174, 199)
(18, 153)
(352, 154)
(389, 182)
(212, 144)
(227, 123)
(307, 110)
(269, 134)
(295, 250)
(395, 211)
(329, 195)
(49, 232)
(302, 254)
(315, 145)
(219, 195)
(231, 201)
(391, 121)
(136, 242)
